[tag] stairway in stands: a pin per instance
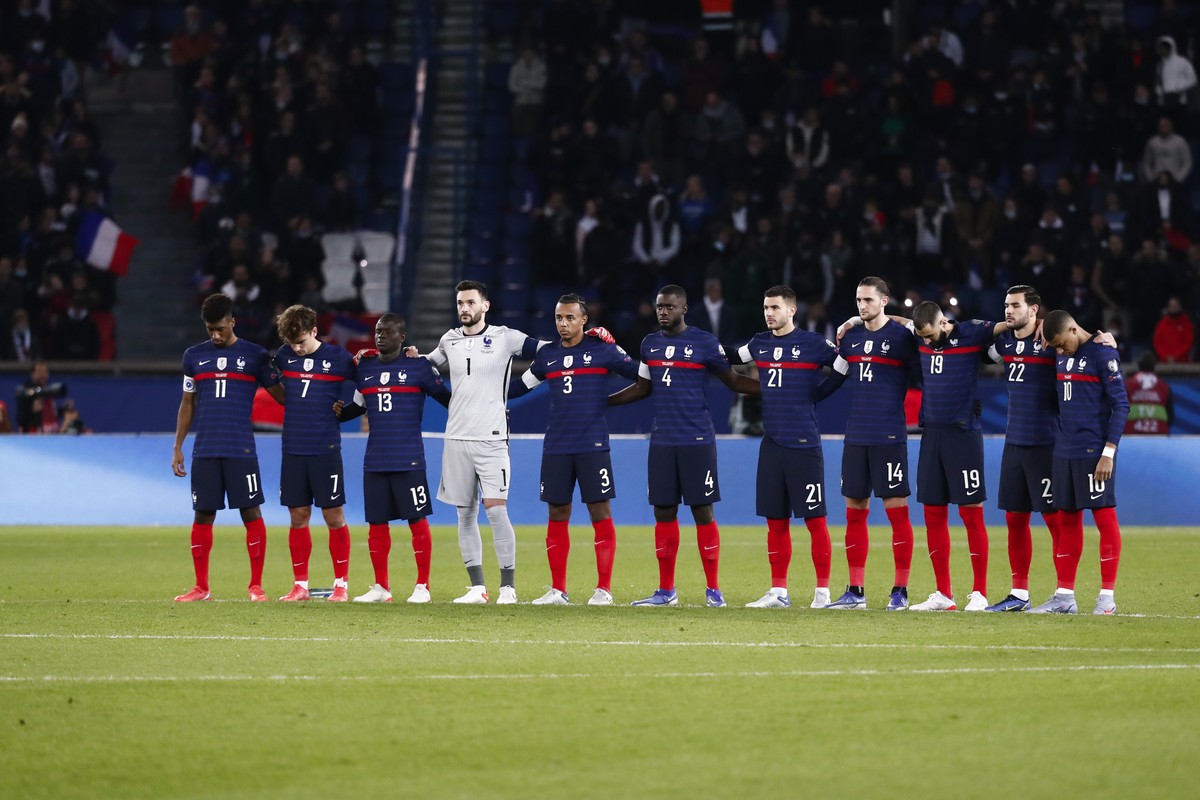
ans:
(157, 317)
(448, 154)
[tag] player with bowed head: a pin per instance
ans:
(391, 391)
(313, 375)
(576, 448)
(220, 377)
(791, 466)
(1093, 407)
(682, 459)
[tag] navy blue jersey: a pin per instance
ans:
(578, 379)
(951, 373)
(1092, 403)
(677, 367)
(789, 369)
(394, 393)
(880, 365)
(1032, 402)
(224, 380)
(312, 384)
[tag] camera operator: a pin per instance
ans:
(37, 411)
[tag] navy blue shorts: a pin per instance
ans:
(950, 468)
(1076, 487)
(312, 480)
(214, 478)
(790, 483)
(878, 468)
(687, 471)
(1026, 473)
(593, 471)
(395, 495)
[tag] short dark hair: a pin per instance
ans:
(781, 291)
(571, 298)
(216, 308)
(878, 284)
(1055, 324)
(926, 313)
(675, 290)
(466, 286)
(393, 319)
(1032, 297)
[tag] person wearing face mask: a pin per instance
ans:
(1174, 335)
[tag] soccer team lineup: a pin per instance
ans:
(1067, 409)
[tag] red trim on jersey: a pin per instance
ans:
(316, 376)
(1087, 378)
(680, 364)
(953, 351)
(390, 389)
(787, 364)
(236, 376)
(893, 362)
(580, 371)
(1028, 360)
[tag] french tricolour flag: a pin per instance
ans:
(201, 181)
(103, 245)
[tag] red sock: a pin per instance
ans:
(666, 549)
(708, 539)
(256, 548)
(977, 545)
(558, 547)
(937, 536)
(779, 551)
(1070, 548)
(606, 552)
(1052, 520)
(202, 538)
(300, 545)
(1110, 546)
(339, 551)
(822, 548)
(902, 543)
(422, 546)
(1020, 547)
(858, 544)
(379, 544)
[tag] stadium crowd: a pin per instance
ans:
(1012, 142)
(52, 175)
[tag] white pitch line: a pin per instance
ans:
(595, 643)
(530, 676)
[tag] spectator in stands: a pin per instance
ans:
(552, 244)
(656, 244)
(1163, 211)
(189, 46)
(1174, 335)
(935, 240)
(294, 197)
(75, 336)
(977, 218)
(716, 131)
(527, 85)
(1176, 76)
(341, 210)
(21, 345)
(1147, 294)
(635, 94)
(594, 98)
(713, 313)
(37, 409)
(1081, 300)
(597, 158)
(6, 425)
(1167, 152)
(12, 297)
(701, 75)
(808, 142)
(664, 138)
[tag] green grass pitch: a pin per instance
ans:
(109, 690)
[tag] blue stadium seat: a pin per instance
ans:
(488, 199)
(493, 150)
(518, 225)
(517, 249)
(482, 248)
(489, 176)
(514, 270)
(495, 126)
(396, 74)
(512, 297)
(484, 224)
(520, 147)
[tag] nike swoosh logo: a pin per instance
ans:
(335, 497)
(709, 493)
(340, 561)
(421, 506)
(894, 485)
(856, 344)
(292, 360)
(253, 495)
(551, 363)
(810, 508)
(1110, 558)
(762, 352)
(711, 546)
(973, 491)
(550, 547)
(197, 545)
(851, 545)
(297, 563)
(655, 349)
(1061, 555)
(254, 544)
(1096, 496)
(368, 378)
(202, 363)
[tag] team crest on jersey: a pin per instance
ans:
(487, 343)
(221, 362)
(401, 377)
(670, 352)
(795, 351)
(241, 362)
(867, 346)
(326, 365)
(1037, 347)
(568, 361)
(1113, 366)
(308, 365)
(384, 377)
(1020, 348)
(587, 358)
(777, 354)
(885, 345)
(687, 352)
(954, 342)
(1082, 363)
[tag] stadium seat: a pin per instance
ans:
(377, 247)
(339, 280)
(518, 225)
(106, 324)
(517, 249)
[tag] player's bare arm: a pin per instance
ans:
(742, 384)
(183, 424)
(632, 393)
(1104, 467)
(278, 393)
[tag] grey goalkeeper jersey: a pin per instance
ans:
(479, 367)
